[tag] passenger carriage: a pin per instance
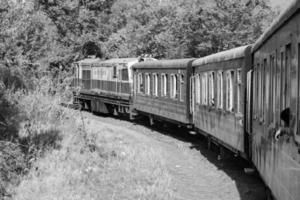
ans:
(276, 89)
(217, 97)
(162, 90)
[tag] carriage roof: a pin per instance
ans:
(161, 64)
(235, 53)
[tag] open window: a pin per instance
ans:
(212, 89)
(163, 85)
(197, 88)
(140, 83)
(173, 86)
(181, 92)
(147, 84)
(114, 71)
(229, 90)
(272, 89)
(155, 84)
(220, 90)
(204, 89)
(239, 91)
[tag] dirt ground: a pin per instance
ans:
(196, 172)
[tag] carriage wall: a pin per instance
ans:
(276, 57)
(162, 90)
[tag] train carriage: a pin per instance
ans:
(162, 90)
(217, 97)
(276, 105)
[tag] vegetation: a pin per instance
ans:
(105, 164)
(39, 39)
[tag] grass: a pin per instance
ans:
(96, 164)
(49, 152)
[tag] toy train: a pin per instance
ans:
(247, 98)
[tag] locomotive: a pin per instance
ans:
(247, 99)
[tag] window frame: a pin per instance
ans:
(230, 90)
(155, 84)
(141, 88)
(197, 89)
(147, 84)
(239, 92)
(211, 89)
(173, 86)
(220, 90)
(164, 83)
(181, 87)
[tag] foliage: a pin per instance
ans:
(31, 126)
(51, 34)
(97, 163)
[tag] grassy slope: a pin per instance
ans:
(96, 164)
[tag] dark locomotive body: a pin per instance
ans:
(218, 93)
(276, 87)
(162, 90)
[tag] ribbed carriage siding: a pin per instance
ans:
(83, 69)
(160, 106)
(106, 85)
(113, 77)
(221, 122)
(276, 57)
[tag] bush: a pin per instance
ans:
(31, 121)
(100, 163)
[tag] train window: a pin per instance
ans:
(94, 73)
(260, 82)
(272, 88)
(155, 85)
(229, 90)
(264, 91)
(173, 86)
(181, 87)
(147, 84)
(197, 88)
(220, 89)
(124, 74)
(211, 89)
(204, 88)
(257, 93)
(239, 91)
(288, 55)
(115, 72)
(140, 83)
(282, 76)
(163, 85)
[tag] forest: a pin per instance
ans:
(39, 40)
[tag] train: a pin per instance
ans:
(246, 99)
